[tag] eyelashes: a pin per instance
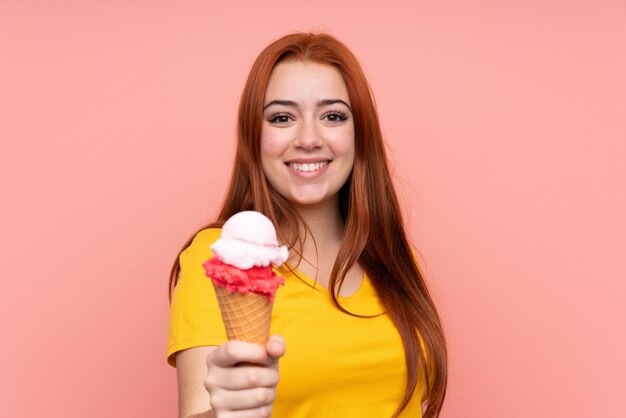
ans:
(337, 114)
(331, 116)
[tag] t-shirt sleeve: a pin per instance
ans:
(195, 318)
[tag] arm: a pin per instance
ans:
(212, 381)
(194, 400)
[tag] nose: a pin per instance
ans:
(308, 137)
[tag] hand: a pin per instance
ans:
(244, 390)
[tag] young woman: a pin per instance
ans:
(355, 331)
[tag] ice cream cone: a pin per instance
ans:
(247, 317)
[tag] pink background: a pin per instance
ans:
(506, 123)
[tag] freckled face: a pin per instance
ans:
(307, 136)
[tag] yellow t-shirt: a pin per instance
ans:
(336, 365)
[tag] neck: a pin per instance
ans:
(324, 222)
(325, 229)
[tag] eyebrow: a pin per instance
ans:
(324, 102)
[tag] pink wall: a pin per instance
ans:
(506, 123)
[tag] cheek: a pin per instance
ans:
(274, 144)
(342, 143)
(273, 147)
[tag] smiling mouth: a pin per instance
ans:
(307, 168)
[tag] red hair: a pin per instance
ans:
(374, 234)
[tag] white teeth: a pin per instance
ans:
(308, 167)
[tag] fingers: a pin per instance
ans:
(242, 378)
(264, 411)
(242, 399)
(238, 378)
(233, 352)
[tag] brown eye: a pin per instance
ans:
(280, 118)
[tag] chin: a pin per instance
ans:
(309, 201)
(305, 201)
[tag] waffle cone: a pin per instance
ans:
(246, 317)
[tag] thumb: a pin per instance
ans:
(275, 346)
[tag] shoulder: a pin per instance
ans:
(200, 248)
(206, 236)
(203, 239)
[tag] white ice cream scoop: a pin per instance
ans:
(248, 239)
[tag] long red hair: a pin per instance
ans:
(374, 234)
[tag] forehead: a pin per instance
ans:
(302, 81)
